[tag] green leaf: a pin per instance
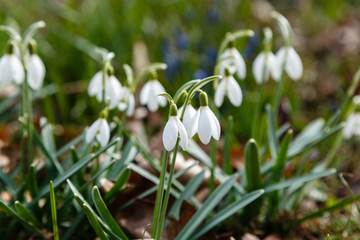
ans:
(94, 222)
(299, 180)
(105, 214)
(70, 172)
(189, 191)
(53, 212)
(10, 212)
(227, 212)
(207, 207)
(26, 214)
(124, 176)
(32, 182)
(8, 183)
(252, 166)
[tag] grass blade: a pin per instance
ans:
(53, 212)
(94, 223)
(124, 176)
(26, 214)
(105, 214)
(273, 140)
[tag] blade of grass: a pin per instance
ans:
(94, 223)
(272, 138)
(124, 176)
(53, 212)
(105, 214)
(26, 214)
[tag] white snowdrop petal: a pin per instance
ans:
(294, 67)
(152, 103)
(95, 85)
(188, 119)
(122, 106)
(92, 131)
(145, 93)
(215, 130)
(170, 134)
(17, 69)
(192, 129)
(205, 125)
(183, 135)
(240, 63)
(103, 134)
(131, 105)
(272, 65)
(5, 70)
(258, 68)
(220, 93)
(278, 63)
(349, 126)
(112, 91)
(158, 88)
(234, 91)
(36, 72)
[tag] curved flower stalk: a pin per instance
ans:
(11, 69)
(174, 128)
(205, 122)
(127, 101)
(149, 95)
(35, 67)
(229, 87)
(265, 65)
(187, 120)
(106, 84)
(232, 60)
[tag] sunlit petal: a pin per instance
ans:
(170, 134)
(294, 67)
(220, 93)
(183, 135)
(92, 131)
(205, 125)
(103, 134)
(233, 91)
(258, 68)
(36, 72)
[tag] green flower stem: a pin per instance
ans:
(167, 193)
(159, 196)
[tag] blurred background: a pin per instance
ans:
(186, 35)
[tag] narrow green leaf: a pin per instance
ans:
(10, 212)
(32, 182)
(79, 175)
(227, 212)
(94, 223)
(226, 150)
(252, 166)
(299, 180)
(207, 207)
(26, 214)
(53, 212)
(189, 190)
(8, 183)
(105, 214)
(124, 176)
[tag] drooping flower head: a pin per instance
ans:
(108, 81)
(99, 129)
(264, 65)
(149, 95)
(174, 128)
(205, 122)
(11, 69)
(233, 61)
(229, 87)
(187, 120)
(127, 101)
(35, 67)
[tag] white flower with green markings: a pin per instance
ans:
(174, 128)
(264, 65)
(11, 69)
(127, 101)
(233, 61)
(229, 87)
(292, 63)
(35, 67)
(187, 120)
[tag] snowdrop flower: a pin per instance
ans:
(293, 65)
(174, 128)
(352, 125)
(229, 87)
(232, 59)
(99, 129)
(112, 87)
(261, 71)
(149, 95)
(35, 67)
(11, 68)
(205, 122)
(127, 101)
(188, 117)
